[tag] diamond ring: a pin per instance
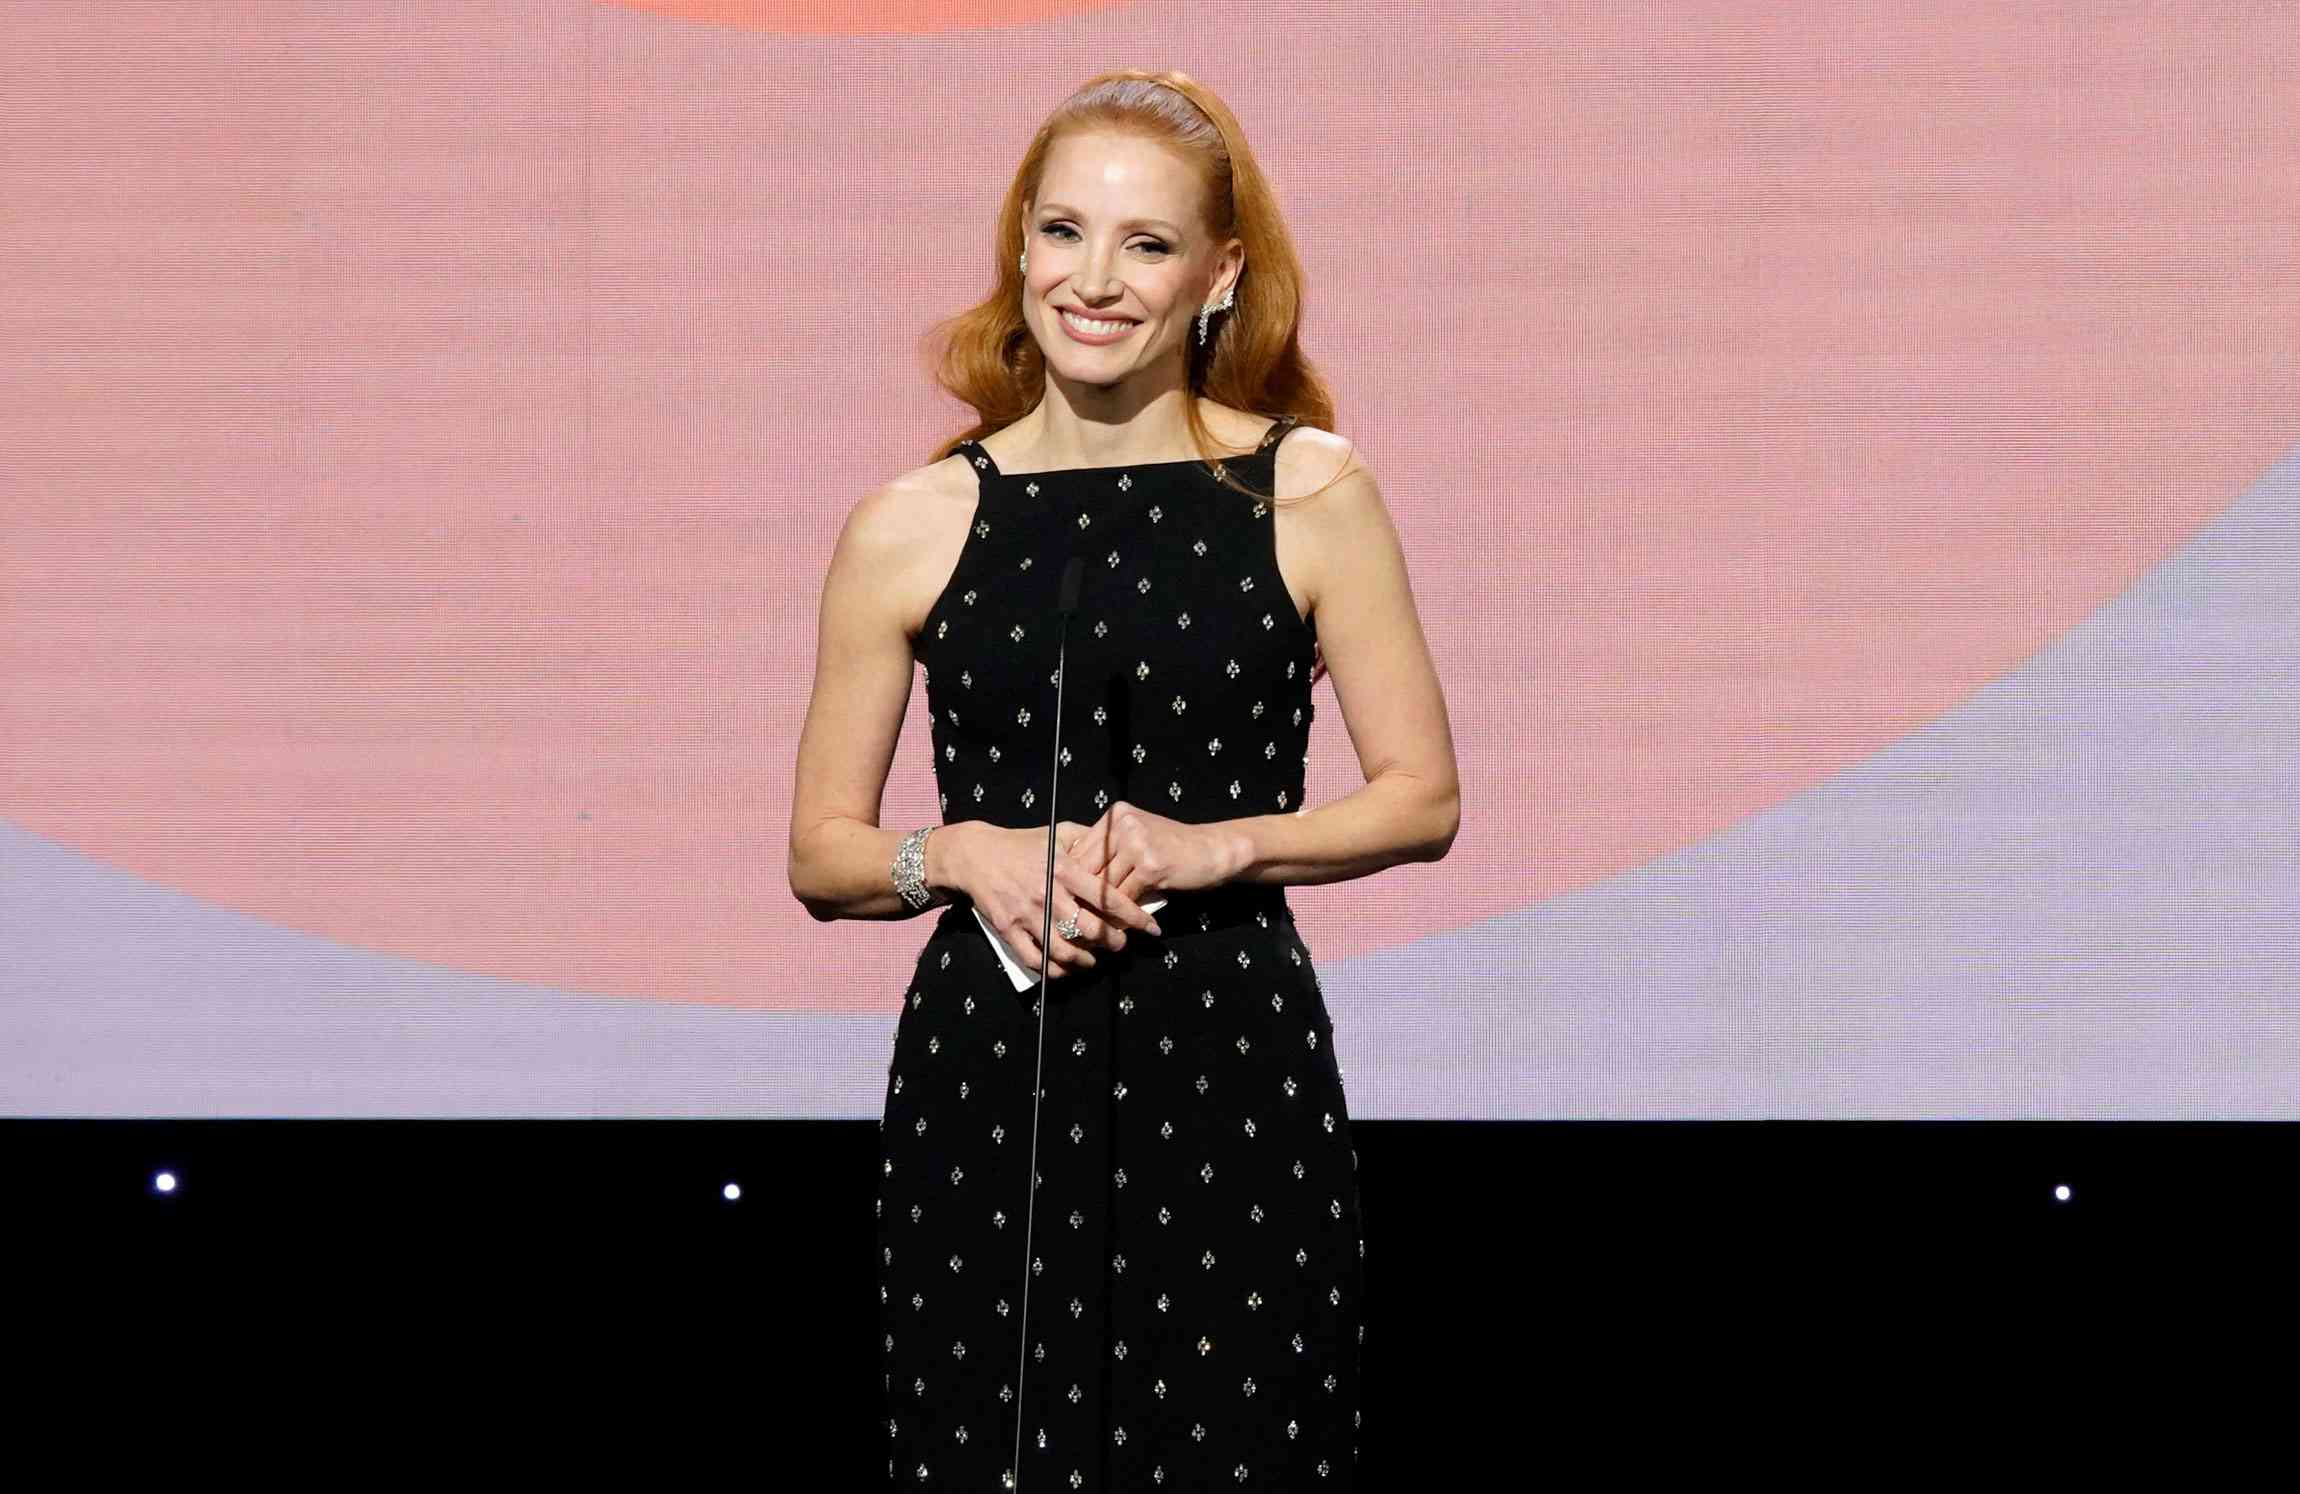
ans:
(1068, 928)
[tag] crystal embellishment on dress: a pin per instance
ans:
(1124, 730)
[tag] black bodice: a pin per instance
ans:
(1188, 670)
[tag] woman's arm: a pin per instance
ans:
(840, 859)
(1370, 640)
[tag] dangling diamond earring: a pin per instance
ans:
(1204, 311)
(1025, 262)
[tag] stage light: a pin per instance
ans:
(2061, 1192)
(164, 1183)
(731, 1192)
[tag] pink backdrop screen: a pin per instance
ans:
(1844, 455)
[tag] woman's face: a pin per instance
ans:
(1115, 233)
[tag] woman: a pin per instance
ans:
(1151, 1277)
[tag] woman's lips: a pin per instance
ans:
(1089, 338)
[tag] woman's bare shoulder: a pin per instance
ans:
(1311, 457)
(917, 525)
(910, 506)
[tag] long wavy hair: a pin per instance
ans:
(1252, 358)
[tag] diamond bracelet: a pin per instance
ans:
(910, 869)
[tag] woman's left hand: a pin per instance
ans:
(1143, 855)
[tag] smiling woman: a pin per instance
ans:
(1171, 1292)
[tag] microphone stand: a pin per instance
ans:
(1066, 602)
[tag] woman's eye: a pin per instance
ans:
(1057, 228)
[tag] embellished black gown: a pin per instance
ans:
(1194, 1265)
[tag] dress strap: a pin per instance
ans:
(973, 451)
(1277, 432)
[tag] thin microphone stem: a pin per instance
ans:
(1066, 602)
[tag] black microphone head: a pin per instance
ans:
(1073, 578)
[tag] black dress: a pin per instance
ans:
(1194, 1260)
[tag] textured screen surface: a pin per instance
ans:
(1844, 454)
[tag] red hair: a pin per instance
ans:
(1252, 358)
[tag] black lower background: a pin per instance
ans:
(1605, 1295)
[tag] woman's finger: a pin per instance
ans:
(1117, 904)
(1096, 925)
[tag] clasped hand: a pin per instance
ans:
(1128, 857)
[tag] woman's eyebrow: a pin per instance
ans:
(1058, 207)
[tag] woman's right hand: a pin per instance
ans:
(1004, 873)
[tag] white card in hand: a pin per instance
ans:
(1025, 979)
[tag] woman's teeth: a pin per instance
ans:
(1095, 329)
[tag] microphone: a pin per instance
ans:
(1065, 603)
